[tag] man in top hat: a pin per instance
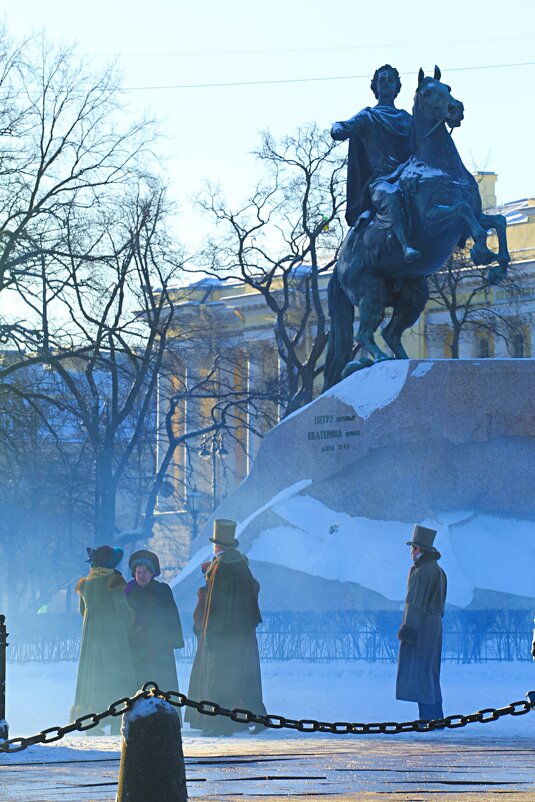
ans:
(418, 676)
(228, 671)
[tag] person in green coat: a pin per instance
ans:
(105, 670)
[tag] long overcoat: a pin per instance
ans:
(418, 675)
(105, 670)
(157, 631)
(227, 665)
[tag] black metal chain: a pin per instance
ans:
(241, 716)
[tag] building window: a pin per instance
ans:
(484, 348)
(519, 348)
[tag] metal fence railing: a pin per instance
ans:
(470, 636)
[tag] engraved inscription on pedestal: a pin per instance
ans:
(333, 432)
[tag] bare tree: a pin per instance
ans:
(44, 510)
(63, 140)
(126, 322)
(67, 152)
(281, 242)
(463, 291)
(80, 235)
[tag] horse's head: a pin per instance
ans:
(433, 100)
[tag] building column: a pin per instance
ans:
(254, 382)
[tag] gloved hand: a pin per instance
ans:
(407, 634)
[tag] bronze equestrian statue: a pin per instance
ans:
(410, 202)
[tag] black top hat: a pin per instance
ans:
(224, 531)
(146, 558)
(423, 538)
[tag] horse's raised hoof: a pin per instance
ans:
(410, 254)
(481, 255)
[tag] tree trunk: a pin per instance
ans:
(106, 491)
(455, 344)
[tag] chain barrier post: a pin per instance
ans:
(152, 760)
(4, 729)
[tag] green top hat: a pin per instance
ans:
(423, 538)
(224, 531)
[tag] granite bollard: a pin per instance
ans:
(152, 760)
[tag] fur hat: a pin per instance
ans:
(146, 558)
(105, 556)
(423, 538)
(224, 531)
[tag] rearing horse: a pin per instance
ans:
(443, 207)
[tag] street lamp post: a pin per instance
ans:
(213, 448)
(4, 730)
(195, 498)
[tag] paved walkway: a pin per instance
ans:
(406, 769)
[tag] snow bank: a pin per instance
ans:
(338, 546)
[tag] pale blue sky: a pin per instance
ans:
(211, 130)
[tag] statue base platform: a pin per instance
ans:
(336, 488)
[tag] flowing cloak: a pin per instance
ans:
(156, 632)
(227, 665)
(378, 144)
(418, 675)
(105, 670)
(196, 680)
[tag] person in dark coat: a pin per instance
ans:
(157, 629)
(105, 670)
(418, 675)
(228, 671)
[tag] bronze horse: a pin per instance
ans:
(443, 207)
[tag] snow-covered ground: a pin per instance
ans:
(40, 695)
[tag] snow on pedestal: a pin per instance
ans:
(337, 487)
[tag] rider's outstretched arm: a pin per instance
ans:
(345, 129)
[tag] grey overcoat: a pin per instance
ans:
(418, 676)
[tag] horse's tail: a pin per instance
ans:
(340, 345)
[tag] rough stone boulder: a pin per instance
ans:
(337, 486)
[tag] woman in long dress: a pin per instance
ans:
(157, 629)
(105, 670)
